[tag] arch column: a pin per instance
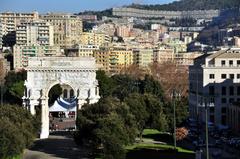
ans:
(32, 106)
(44, 119)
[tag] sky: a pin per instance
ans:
(70, 6)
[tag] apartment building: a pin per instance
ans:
(143, 13)
(142, 57)
(34, 33)
(163, 54)
(214, 80)
(93, 38)
(22, 53)
(10, 20)
(81, 50)
(113, 59)
(166, 54)
(124, 30)
(67, 28)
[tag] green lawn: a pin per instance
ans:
(151, 135)
(151, 132)
(157, 147)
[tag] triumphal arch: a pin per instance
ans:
(45, 72)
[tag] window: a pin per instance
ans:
(211, 90)
(224, 110)
(71, 93)
(231, 90)
(231, 76)
(224, 91)
(231, 100)
(230, 62)
(224, 100)
(211, 76)
(223, 62)
(224, 76)
(224, 120)
(238, 62)
(238, 90)
(65, 93)
(238, 76)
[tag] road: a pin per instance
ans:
(57, 146)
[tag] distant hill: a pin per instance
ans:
(191, 5)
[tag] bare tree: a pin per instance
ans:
(171, 76)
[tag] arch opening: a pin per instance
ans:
(62, 105)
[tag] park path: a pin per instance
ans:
(57, 146)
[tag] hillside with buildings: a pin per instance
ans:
(183, 5)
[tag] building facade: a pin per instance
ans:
(67, 28)
(233, 117)
(10, 20)
(142, 57)
(91, 38)
(81, 50)
(34, 33)
(214, 81)
(21, 54)
(112, 59)
(143, 13)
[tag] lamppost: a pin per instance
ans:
(206, 122)
(174, 95)
(206, 104)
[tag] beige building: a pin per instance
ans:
(113, 59)
(233, 117)
(214, 80)
(10, 20)
(163, 54)
(124, 30)
(166, 54)
(34, 33)
(94, 38)
(142, 57)
(187, 58)
(21, 54)
(81, 50)
(67, 28)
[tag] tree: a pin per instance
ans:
(106, 84)
(137, 107)
(148, 112)
(18, 129)
(171, 76)
(106, 126)
(17, 90)
(134, 72)
(14, 83)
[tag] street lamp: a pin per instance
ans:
(174, 95)
(206, 104)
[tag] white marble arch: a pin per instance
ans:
(45, 72)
